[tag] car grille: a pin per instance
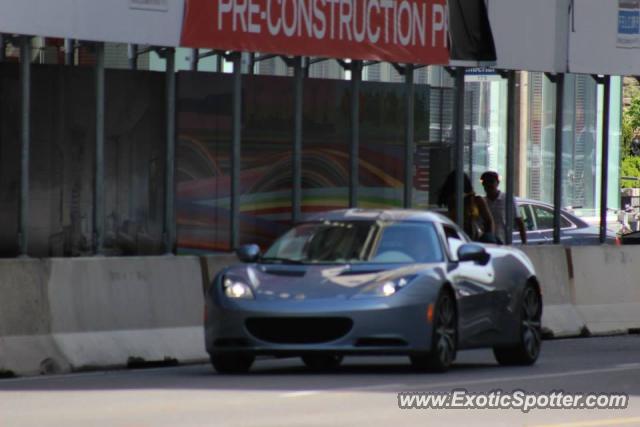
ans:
(299, 330)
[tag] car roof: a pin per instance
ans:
(359, 214)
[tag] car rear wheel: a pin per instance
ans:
(527, 350)
(444, 339)
(322, 362)
(232, 363)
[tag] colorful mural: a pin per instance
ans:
(204, 126)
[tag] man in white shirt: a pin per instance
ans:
(496, 202)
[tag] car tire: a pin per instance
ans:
(444, 339)
(527, 349)
(232, 363)
(322, 362)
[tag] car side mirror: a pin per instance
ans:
(473, 252)
(248, 253)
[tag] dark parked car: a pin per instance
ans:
(538, 220)
(374, 282)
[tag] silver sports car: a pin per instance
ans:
(374, 282)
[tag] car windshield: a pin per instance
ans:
(357, 242)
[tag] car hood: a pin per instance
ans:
(284, 281)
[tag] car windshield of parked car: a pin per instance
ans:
(357, 242)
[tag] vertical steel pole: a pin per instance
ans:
(69, 52)
(2, 48)
(132, 54)
(25, 92)
(458, 125)
(252, 63)
(235, 150)
(354, 152)
(557, 175)
(220, 64)
(194, 59)
(409, 142)
(169, 208)
(511, 156)
(98, 196)
(605, 159)
(297, 139)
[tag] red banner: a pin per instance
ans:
(405, 31)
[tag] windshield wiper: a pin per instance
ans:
(281, 260)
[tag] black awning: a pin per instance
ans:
(470, 31)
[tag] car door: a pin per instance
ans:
(534, 237)
(544, 222)
(474, 286)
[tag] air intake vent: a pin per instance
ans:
(299, 330)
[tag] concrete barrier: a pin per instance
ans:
(60, 315)
(607, 287)
(108, 311)
(26, 345)
(560, 317)
(212, 264)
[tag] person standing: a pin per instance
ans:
(478, 223)
(496, 202)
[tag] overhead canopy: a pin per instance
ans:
(605, 37)
(532, 34)
(411, 31)
(154, 22)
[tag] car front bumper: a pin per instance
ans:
(287, 328)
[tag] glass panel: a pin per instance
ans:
(381, 145)
(527, 218)
(203, 163)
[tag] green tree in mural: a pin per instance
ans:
(630, 166)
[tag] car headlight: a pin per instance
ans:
(384, 289)
(236, 289)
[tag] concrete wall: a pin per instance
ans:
(58, 315)
(70, 314)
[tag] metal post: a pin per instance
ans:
(220, 64)
(98, 196)
(169, 209)
(132, 54)
(511, 158)
(194, 59)
(25, 86)
(235, 149)
(605, 159)
(458, 136)
(252, 63)
(69, 52)
(354, 154)
(409, 143)
(297, 139)
(2, 48)
(557, 175)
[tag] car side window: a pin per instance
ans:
(544, 218)
(454, 241)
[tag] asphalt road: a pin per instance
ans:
(361, 393)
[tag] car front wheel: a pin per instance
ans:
(444, 338)
(527, 349)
